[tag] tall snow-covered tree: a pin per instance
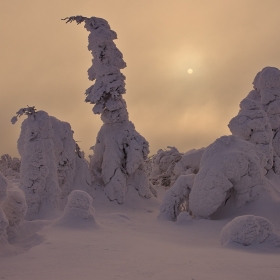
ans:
(120, 151)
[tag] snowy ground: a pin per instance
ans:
(128, 242)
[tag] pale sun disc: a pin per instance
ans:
(190, 71)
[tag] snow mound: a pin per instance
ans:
(78, 212)
(229, 166)
(248, 230)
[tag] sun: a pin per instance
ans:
(190, 71)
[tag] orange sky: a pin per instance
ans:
(44, 63)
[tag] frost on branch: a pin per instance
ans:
(248, 230)
(163, 165)
(229, 166)
(120, 151)
(29, 111)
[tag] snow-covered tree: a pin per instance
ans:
(120, 151)
(3, 219)
(9, 166)
(259, 118)
(38, 172)
(163, 164)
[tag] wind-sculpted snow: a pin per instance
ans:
(248, 230)
(15, 208)
(229, 166)
(163, 165)
(38, 173)
(176, 199)
(118, 160)
(120, 151)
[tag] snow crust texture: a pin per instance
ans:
(248, 230)
(229, 166)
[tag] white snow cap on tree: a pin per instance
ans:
(9, 166)
(230, 163)
(120, 151)
(248, 230)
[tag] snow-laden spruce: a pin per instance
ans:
(120, 151)
(229, 166)
(259, 118)
(248, 230)
(163, 164)
(52, 165)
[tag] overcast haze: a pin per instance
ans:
(44, 64)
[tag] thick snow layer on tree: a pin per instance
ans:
(120, 151)
(176, 199)
(38, 173)
(163, 165)
(229, 166)
(15, 208)
(118, 160)
(249, 229)
(10, 167)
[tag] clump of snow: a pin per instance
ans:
(248, 230)
(163, 164)
(229, 166)
(15, 208)
(176, 199)
(120, 151)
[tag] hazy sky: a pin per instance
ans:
(44, 63)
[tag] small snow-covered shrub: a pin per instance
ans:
(163, 165)
(15, 208)
(248, 230)
(79, 205)
(176, 199)
(229, 166)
